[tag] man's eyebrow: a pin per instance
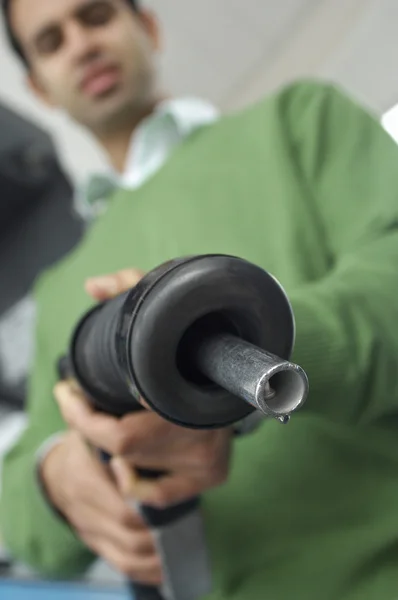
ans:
(82, 8)
(53, 26)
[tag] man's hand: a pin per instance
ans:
(194, 461)
(81, 488)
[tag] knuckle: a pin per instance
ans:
(113, 444)
(151, 573)
(125, 517)
(205, 456)
(122, 438)
(132, 545)
(126, 567)
(155, 564)
(220, 476)
(116, 446)
(138, 543)
(120, 445)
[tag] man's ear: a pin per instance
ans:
(151, 26)
(37, 88)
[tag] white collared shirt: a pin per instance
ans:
(157, 136)
(151, 145)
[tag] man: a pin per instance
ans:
(304, 184)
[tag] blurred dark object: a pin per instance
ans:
(38, 226)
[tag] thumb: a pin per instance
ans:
(125, 476)
(133, 487)
(105, 287)
(158, 493)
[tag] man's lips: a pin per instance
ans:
(100, 80)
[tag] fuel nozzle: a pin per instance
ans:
(205, 340)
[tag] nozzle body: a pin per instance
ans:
(204, 340)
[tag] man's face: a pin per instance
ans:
(93, 58)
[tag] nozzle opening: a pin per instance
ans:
(290, 385)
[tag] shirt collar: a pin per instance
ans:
(188, 113)
(151, 144)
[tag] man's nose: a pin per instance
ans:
(82, 43)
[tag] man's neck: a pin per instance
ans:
(117, 146)
(116, 142)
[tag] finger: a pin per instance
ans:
(178, 456)
(101, 509)
(160, 493)
(170, 448)
(102, 431)
(109, 286)
(116, 436)
(159, 460)
(128, 481)
(170, 490)
(132, 487)
(97, 500)
(140, 543)
(129, 539)
(125, 476)
(141, 569)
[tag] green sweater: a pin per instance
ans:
(304, 184)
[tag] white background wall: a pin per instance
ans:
(234, 51)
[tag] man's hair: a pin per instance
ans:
(12, 39)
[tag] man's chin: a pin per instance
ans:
(105, 113)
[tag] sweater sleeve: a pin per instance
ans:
(31, 530)
(347, 322)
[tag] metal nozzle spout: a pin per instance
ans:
(272, 385)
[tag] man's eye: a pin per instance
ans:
(49, 42)
(98, 14)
